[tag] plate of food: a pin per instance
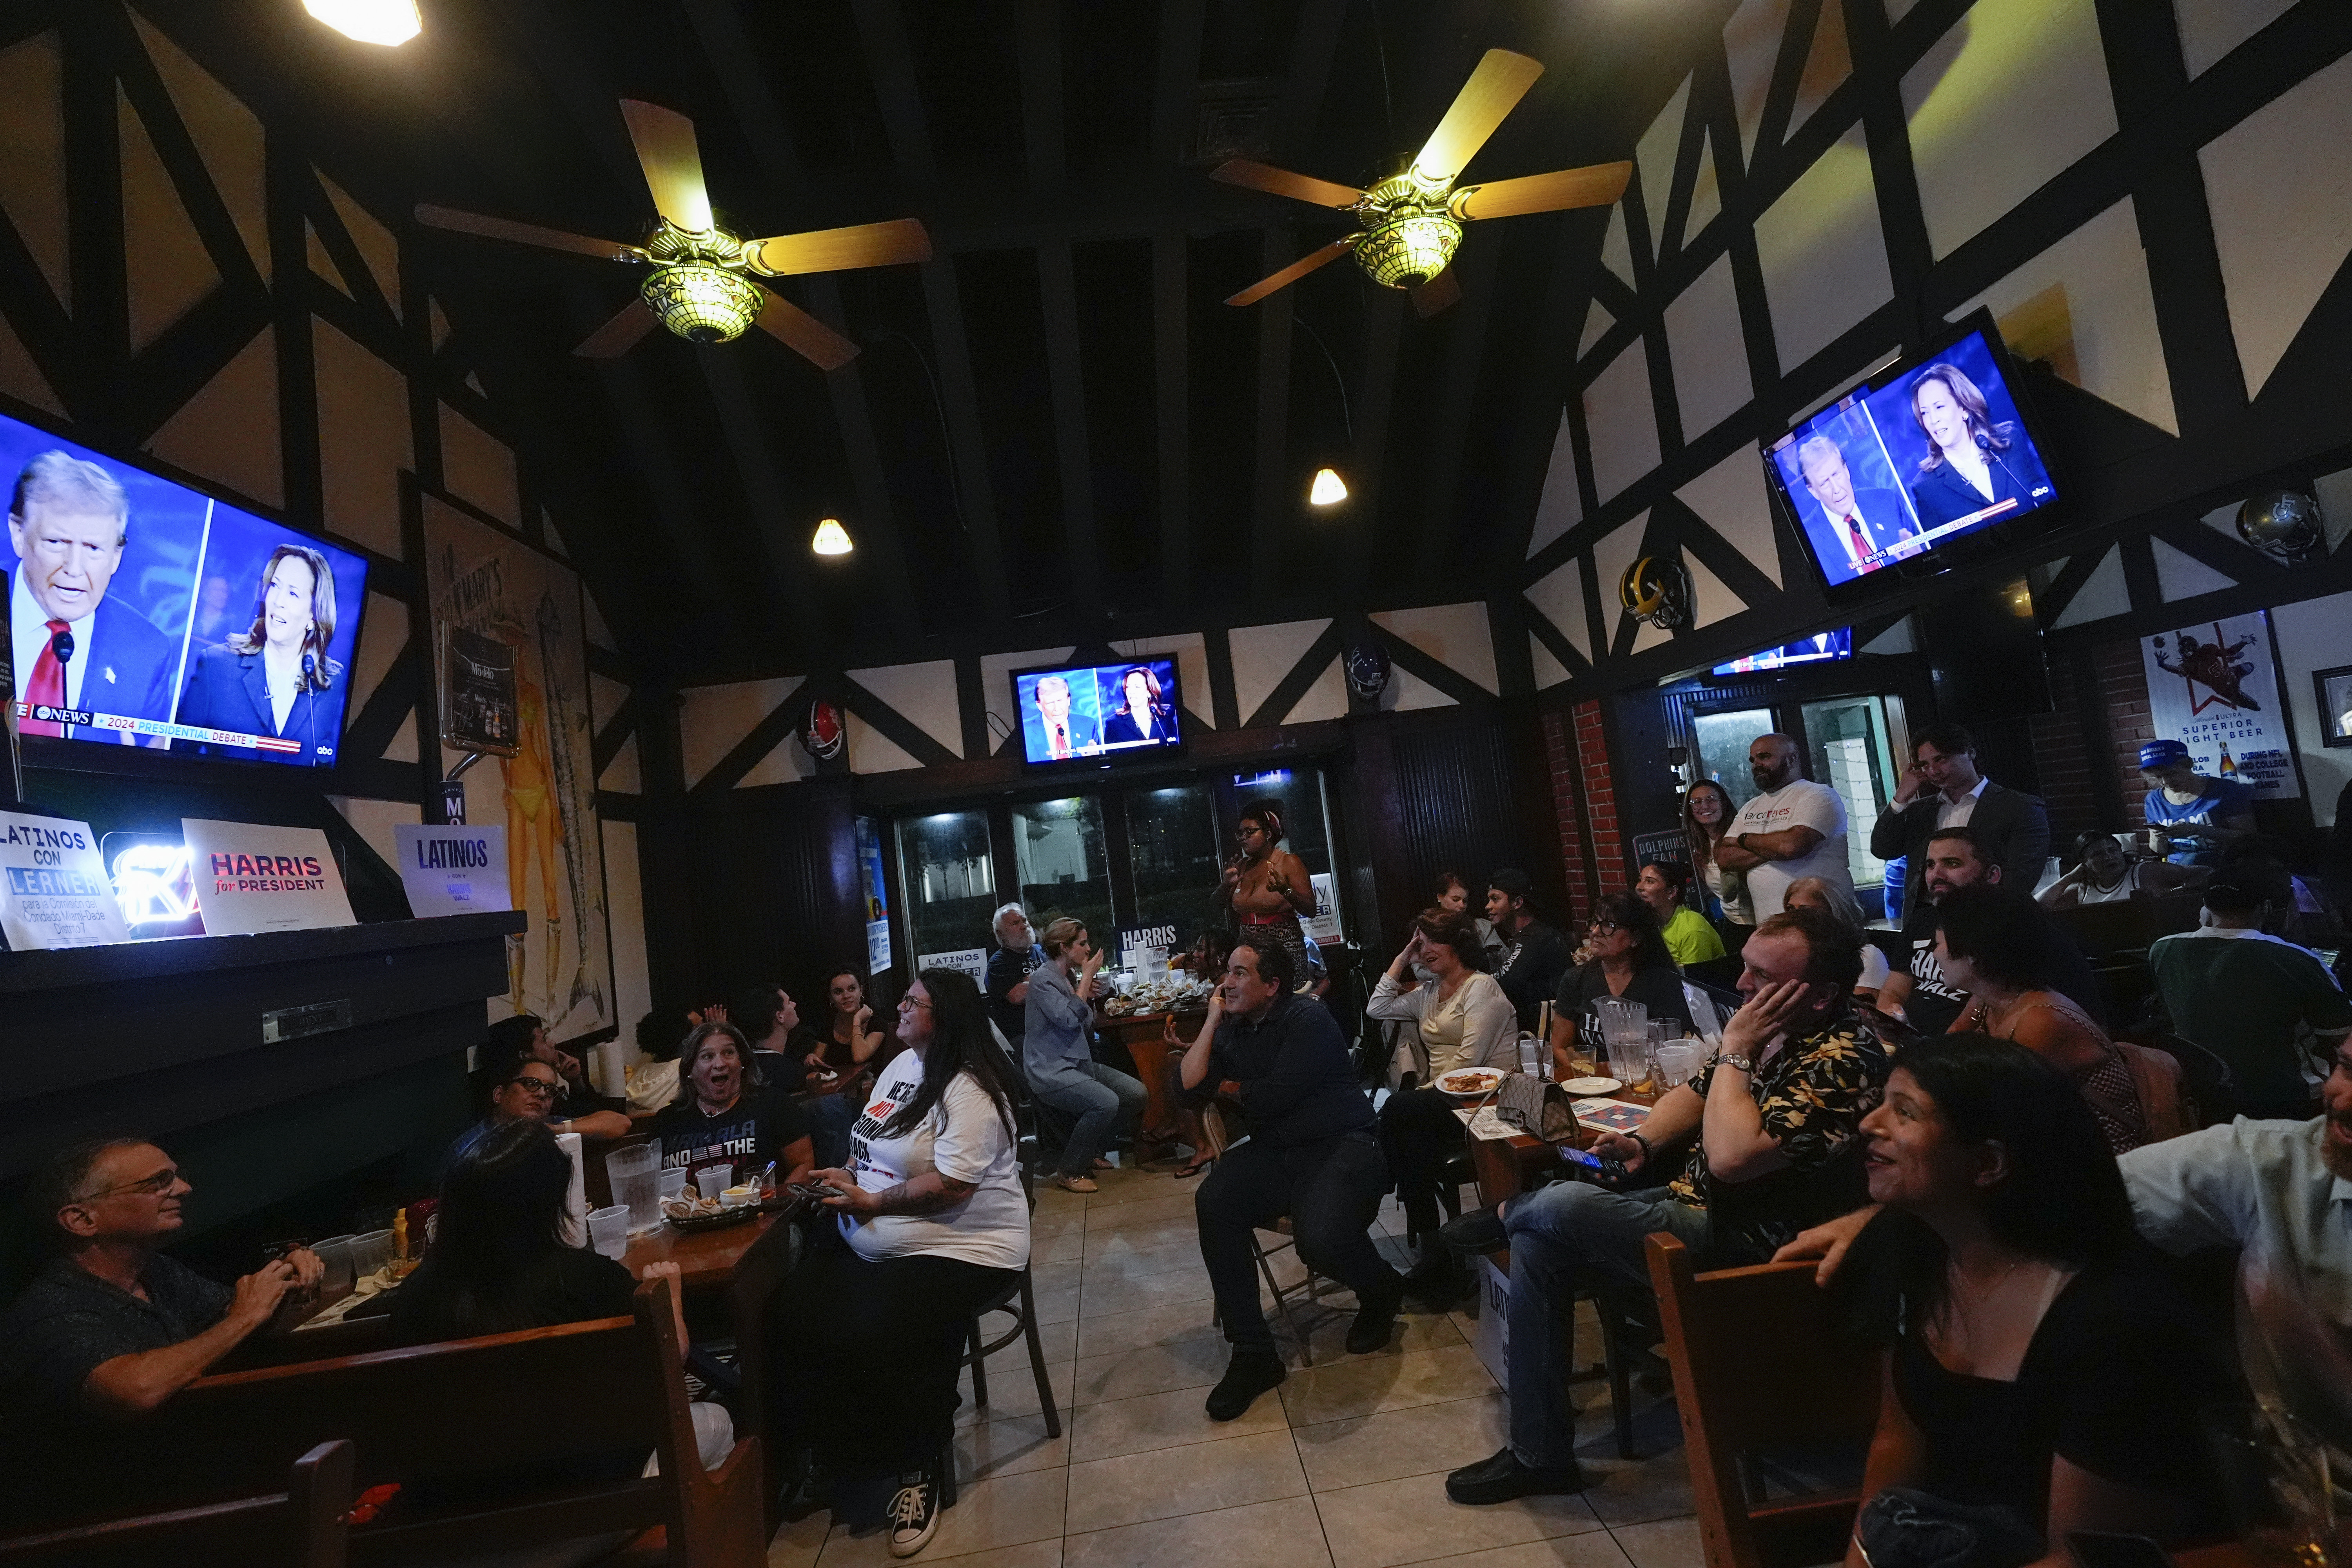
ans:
(1469, 1083)
(693, 1213)
(1584, 1087)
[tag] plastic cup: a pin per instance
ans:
(369, 1253)
(1530, 1053)
(1676, 1061)
(335, 1255)
(673, 1181)
(634, 1176)
(713, 1180)
(608, 1231)
(2284, 1490)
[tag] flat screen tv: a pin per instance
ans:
(143, 612)
(1916, 465)
(1099, 712)
(1814, 649)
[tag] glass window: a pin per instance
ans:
(1847, 739)
(1173, 848)
(949, 881)
(1723, 742)
(1064, 870)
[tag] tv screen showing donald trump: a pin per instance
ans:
(143, 612)
(1099, 710)
(1901, 466)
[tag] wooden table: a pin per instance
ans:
(706, 1259)
(1144, 1037)
(1502, 1165)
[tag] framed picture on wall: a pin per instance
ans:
(2334, 689)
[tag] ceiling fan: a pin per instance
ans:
(1411, 222)
(698, 287)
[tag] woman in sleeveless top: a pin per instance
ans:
(1994, 943)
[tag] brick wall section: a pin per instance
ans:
(1599, 797)
(1560, 763)
(2123, 691)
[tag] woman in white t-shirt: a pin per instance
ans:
(869, 1332)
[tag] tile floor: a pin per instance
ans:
(1342, 1467)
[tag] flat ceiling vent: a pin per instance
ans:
(1236, 121)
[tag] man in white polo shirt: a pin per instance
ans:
(1794, 828)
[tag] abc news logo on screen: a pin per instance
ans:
(267, 873)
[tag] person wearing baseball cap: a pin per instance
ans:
(2196, 817)
(2260, 1002)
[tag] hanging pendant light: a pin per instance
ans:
(386, 22)
(1329, 488)
(832, 539)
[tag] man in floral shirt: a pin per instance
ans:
(1765, 1125)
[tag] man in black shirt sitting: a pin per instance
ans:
(111, 1328)
(1921, 996)
(1312, 1154)
(1534, 955)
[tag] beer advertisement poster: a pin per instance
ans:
(2213, 687)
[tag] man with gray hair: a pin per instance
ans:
(1009, 967)
(1866, 520)
(111, 1328)
(72, 648)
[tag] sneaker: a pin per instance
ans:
(1375, 1316)
(1251, 1373)
(1500, 1478)
(1078, 1183)
(914, 1516)
(1477, 1233)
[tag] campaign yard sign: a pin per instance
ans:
(54, 890)
(251, 879)
(453, 871)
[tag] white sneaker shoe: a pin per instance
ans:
(914, 1513)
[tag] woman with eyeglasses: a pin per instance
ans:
(1267, 886)
(1628, 960)
(933, 1224)
(527, 1093)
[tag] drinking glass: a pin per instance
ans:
(369, 1253)
(1676, 1060)
(673, 1181)
(608, 1230)
(634, 1173)
(335, 1256)
(1530, 1053)
(2285, 1498)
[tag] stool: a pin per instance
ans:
(1018, 1302)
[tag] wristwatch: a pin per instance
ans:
(1730, 1059)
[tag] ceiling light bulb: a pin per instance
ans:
(386, 22)
(832, 539)
(1328, 490)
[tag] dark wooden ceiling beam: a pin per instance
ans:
(1038, 36)
(1465, 357)
(967, 437)
(1384, 315)
(783, 536)
(1173, 106)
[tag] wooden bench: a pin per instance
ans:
(302, 1527)
(1816, 1385)
(438, 1415)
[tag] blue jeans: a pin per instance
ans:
(1107, 1102)
(829, 1117)
(1567, 1237)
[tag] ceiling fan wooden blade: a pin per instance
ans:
(525, 233)
(1438, 293)
(805, 335)
(837, 249)
(1293, 272)
(1283, 183)
(619, 335)
(1492, 90)
(666, 149)
(1597, 186)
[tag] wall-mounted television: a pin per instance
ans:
(1923, 462)
(1814, 649)
(145, 613)
(1099, 712)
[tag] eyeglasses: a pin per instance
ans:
(907, 1002)
(1604, 928)
(154, 1186)
(536, 1085)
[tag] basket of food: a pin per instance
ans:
(1469, 1083)
(689, 1212)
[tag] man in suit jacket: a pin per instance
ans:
(1943, 789)
(1863, 520)
(69, 521)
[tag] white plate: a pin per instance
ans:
(1585, 1087)
(1445, 1083)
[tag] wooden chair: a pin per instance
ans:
(1310, 1285)
(302, 1527)
(1814, 1386)
(435, 1415)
